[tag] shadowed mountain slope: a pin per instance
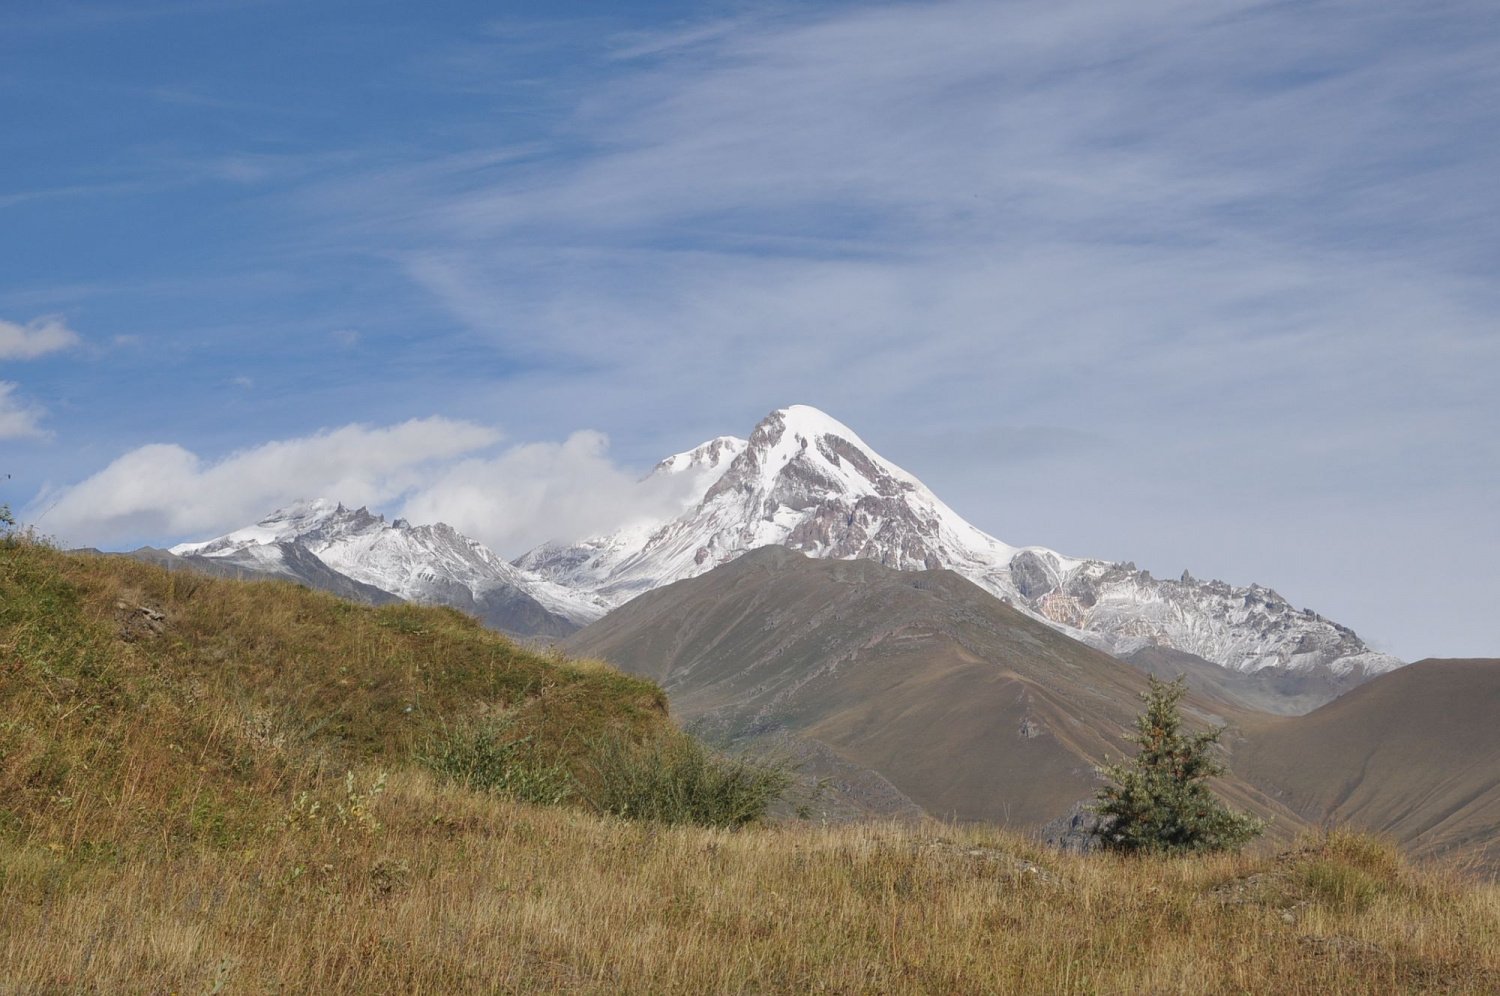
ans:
(1414, 754)
(969, 708)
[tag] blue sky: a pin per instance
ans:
(1204, 285)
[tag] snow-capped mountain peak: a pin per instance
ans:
(281, 526)
(807, 442)
(805, 480)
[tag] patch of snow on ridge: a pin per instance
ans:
(704, 459)
(433, 564)
(283, 525)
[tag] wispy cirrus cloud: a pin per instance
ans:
(1248, 243)
(1048, 182)
(1252, 239)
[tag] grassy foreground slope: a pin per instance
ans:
(138, 704)
(191, 782)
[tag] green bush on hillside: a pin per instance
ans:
(1159, 802)
(677, 779)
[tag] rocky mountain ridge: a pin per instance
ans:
(805, 481)
(318, 541)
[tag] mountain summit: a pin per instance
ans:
(802, 480)
(806, 481)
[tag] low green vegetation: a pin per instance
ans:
(679, 780)
(492, 757)
(668, 777)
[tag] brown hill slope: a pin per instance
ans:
(1414, 754)
(964, 705)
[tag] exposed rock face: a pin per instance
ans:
(1247, 629)
(1074, 832)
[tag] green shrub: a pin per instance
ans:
(492, 757)
(1159, 802)
(677, 779)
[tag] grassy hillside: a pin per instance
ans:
(216, 786)
(138, 704)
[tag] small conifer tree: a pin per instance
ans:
(1159, 802)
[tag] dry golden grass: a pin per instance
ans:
(202, 805)
(457, 892)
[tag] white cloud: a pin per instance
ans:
(17, 419)
(543, 491)
(423, 470)
(37, 337)
(163, 490)
(884, 199)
